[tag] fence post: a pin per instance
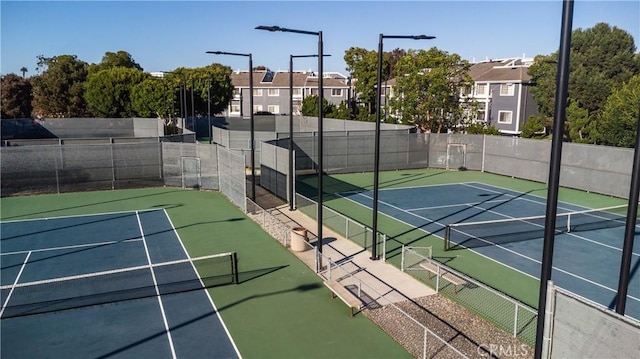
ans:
(438, 279)
(515, 321)
(424, 346)
(547, 338)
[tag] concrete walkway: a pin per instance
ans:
(379, 282)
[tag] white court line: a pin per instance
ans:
(155, 284)
(215, 309)
(542, 226)
(511, 251)
(15, 282)
(97, 244)
(81, 215)
(457, 205)
(440, 224)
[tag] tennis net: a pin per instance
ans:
(508, 230)
(21, 299)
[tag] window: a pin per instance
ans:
(297, 92)
(481, 89)
(506, 89)
(314, 91)
(257, 92)
(504, 116)
(480, 116)
(465, 91)
(257, 108)
(274, 92)
(336, 92)
(235, 108)
(273, 108)
(236, 92)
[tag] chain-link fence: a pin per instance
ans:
(505, 312)
(343, 225)
(78, 167)
(416, 337)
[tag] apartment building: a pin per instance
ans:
(502, 89)
(271, 90)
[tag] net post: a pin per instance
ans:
(234, 263)
(447, 237)
(402, 259)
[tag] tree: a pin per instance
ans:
(15, 97)
(210, 83)
(536, 127)
(59, 90)
(108, 91)
(429, 89)
(24, 71)
(620, 115)
(602, 59)
(152, 98)
(481, 128)
(362, 64)
(115, 59)
(310, 107)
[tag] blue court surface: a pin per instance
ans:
(53, 268)
(586, 260)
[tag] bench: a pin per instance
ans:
(344, 294)
(452, 278)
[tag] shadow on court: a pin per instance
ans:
(300, 288)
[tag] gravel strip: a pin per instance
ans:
(464, 330)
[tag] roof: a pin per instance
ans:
(281, 79)
(506, 70)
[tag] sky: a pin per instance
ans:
(165, 35)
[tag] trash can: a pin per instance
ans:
(299, 241)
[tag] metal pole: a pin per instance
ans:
(376, 163)
(193, 108)
(554, 171)
(253, 140)
(291, 169)
(320, 140)
(630, 229)
(209, 110)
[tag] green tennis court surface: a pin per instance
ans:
(278, 309)
(517, 284)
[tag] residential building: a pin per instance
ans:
(502, 90)
(271, 90)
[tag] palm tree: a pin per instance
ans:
(23, 70)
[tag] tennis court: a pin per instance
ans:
(587, 252)
(109, 284)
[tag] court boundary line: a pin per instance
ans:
(98, 244)
(456, 205)
(133, 211)
(496, 245)
(215, 308)
(155, 284)
(439, 237)
(571, 234)
(404, 187)
(6, 301)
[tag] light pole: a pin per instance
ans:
(320, 115)
(376, 163)
(291, 169)
(253, 151)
